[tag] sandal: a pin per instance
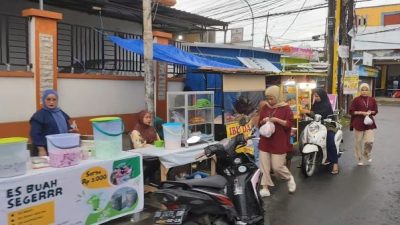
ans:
(335, 171)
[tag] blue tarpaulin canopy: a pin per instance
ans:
(171, 54)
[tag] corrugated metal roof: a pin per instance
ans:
(228, 46)
(376, 38)
(164, 18)
(261, 64)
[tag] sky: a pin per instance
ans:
(293, 29)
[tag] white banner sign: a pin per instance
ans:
(236, 35)
(92, 192)
(368, 59)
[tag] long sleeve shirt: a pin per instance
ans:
(363, 104)
(279, 142)
(42, 124)
(138, 141)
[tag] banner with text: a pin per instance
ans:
(350, 82)
(233, 129)
(92, 192)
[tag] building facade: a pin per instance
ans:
(65, 47)
(377, 33)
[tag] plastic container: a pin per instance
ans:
(159, 143)
(64, 149)
(107, 132)
(172, 135)
(87, 147)
(13, 156)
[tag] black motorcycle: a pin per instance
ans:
(231, 197)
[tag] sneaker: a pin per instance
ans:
(291, 184)
(360, 163)
(265, 192)
(370, 160)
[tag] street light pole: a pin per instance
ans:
(252, 19)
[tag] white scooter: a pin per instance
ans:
(313, 143)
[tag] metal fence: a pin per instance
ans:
(14, 52)
(84, 49)
(174, 69)
(87, 50)
(80, 50)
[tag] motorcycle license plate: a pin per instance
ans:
(169, 216)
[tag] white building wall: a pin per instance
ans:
(17, 99)
(175, 85)
(88, 97)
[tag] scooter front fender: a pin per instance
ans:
(309, 148)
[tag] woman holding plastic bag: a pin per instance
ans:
(362, 110)
(276, 119)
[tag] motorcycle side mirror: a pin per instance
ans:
(193, 139)
(242, 121)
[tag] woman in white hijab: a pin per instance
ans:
(363, 106)
(273, 149)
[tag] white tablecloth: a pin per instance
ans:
(176, 157)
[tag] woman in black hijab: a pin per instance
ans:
(322, 106)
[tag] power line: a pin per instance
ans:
(314, 7)
(297, 15)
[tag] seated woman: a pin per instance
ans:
(144, 134)
(322, 106)
(48, 120)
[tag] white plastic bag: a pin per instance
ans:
(368, 120)
(267, 129)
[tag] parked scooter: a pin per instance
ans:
(313, 143)
(229, 198)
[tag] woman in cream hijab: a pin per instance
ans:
(363, 106)
(273, 149)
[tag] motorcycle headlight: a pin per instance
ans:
(242, 169)
(237, 161)
(313, 128)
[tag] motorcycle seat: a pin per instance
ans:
(215, 182)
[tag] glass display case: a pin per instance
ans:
(195, 110)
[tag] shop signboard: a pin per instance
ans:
(233, 129)
(92, 192)
(350, 82)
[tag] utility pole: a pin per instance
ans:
(336, 67)
(330, 40)
(148, 56)
(350, 24)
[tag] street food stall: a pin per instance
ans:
(69, 186)
(237, 93)
(297, 89)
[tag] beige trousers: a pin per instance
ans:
(275, 162)
(363, 144)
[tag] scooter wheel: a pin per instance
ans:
(308, 164)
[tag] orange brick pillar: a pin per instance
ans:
(43, 49)
(161, 77)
